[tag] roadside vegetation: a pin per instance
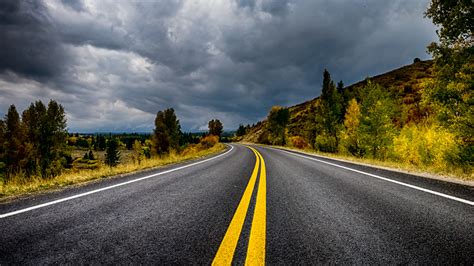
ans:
(37, 152)
(417, 117)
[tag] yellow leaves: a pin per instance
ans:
(426, 145)
(352, 116)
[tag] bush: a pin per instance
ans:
(209, 141)
(428, 145)
(298, 142)
(326, 143)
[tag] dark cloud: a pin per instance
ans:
(114, 64)
(29, 44)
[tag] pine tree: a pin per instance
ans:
(13, 142)
(329, 115)
(167, 132)
(112, 154)
(240, 131)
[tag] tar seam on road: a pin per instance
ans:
(110, 187)
(256, 245)
(385, 179)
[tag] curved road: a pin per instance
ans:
(285, 208)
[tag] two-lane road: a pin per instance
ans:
(262, 205)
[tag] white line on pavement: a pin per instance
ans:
(109, 187)
(384, 178)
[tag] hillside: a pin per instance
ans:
(403, 82)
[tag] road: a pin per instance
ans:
(256, 206)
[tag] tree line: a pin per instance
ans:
(33, 145)
(37, 144)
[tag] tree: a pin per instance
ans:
(450, 92)
(240, 131)
(277, 121)
(351, 123)
(13, 142)
(112, 154)
(137, 151)
(377, 112)
(329, 115)
(456, 18)
(167, 131)
(215, 127)
(91, 155)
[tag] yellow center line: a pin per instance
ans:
(256, 247)
(226, 250)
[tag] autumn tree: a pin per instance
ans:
(450, 92)
(137, 151)
(167, 132)
(277, 121)
(351, 139)
(215, 127)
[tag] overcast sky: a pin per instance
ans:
(114, 64)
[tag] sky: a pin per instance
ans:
(113, 64)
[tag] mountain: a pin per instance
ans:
(403, 83)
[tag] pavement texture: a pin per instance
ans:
(315, 213)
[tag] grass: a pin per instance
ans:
(454, 173)
(19, 186)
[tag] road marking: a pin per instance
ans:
(256, 247)
(109, 187)
(385, 179)
(226, 250)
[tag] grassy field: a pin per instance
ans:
(76, 176)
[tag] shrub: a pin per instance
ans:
(428, 145)
(298, 142)
(209, 141)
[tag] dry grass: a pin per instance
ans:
(21, 186)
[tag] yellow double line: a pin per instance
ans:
(256, 245)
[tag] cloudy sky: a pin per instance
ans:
(114, 64)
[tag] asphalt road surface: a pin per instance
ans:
(256, 206)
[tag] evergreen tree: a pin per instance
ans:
(167, 131)
(240, 131)
(112, 154)
(329, 115)
(215, 127)
(13, 142)
(91, 155)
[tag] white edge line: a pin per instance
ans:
(110, 187)
(384, 178)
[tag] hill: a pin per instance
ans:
(403, 83)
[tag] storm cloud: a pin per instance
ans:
(114, 64)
